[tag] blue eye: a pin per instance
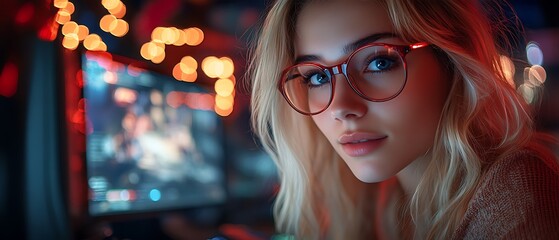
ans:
(381, 64)
(317, 78)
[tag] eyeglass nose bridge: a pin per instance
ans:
(342, 69)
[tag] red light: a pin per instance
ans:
(24, 14)
(48, 31)
(8, 80)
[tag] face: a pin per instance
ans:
(377, 140)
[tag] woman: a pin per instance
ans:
(393, 119)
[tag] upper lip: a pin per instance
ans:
(354, 137)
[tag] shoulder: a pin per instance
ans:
(518, 197)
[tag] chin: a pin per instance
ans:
(370, 175)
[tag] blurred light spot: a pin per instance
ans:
(159, 58)
(83, 31)
(155, 195)
(62, 17)
(118, 11)
(92, 42)
(69, 27)
(224, 102)
(134, 71)
(70, 41)
(224, 87)
(69, 8)
(9, 80)
(110, 77)
(49, 30)
(156, 98)
(527, 92)
(188, 65)
(60, 3)
(179, 74)
(228, 67)
(173, 99)
(212, 67)
(537, 75)
(157, 34)
(125, 96)
(194, 36)
(223, 112)
(508, 69)
(119, 28)
(110, 4)
(25, 14)
(534, 54)
(106, 22)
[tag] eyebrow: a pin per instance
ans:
(350, 47)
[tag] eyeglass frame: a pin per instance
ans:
(333, 70)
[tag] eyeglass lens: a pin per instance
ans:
(377, 73)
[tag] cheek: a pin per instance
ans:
(414, 115)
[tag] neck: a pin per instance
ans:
(410, 176)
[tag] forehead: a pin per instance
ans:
(325, 27)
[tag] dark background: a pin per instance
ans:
(41, 199)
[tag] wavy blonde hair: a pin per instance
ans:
(483, 119)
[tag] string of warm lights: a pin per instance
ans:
(221, 69)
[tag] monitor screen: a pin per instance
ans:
(152, 143)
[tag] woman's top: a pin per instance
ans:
(517, 199)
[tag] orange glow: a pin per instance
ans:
(156, 34)
(155, 49)
(92, 42)
(224, 87)
(194, 36)
(159, 58)
(60, 3)
(25, 14)
(83, 31)
(181, 38)
(119, 11)
(125, 96)
(188, 65)
(70, 41)
(110, 4)
(9, 80)
(508, 69)
(168, 36)
(212, 67)
(120, 28)
(69, 27)
(106, 23)
(69, 8)
(224, 102)
(144, 51)
(228, 67)
(63, 17)
(223, 112)
(182, 76)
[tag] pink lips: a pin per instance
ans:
(358, 144)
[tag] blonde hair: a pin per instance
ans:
(483, 119)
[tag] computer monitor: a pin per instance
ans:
(152, 143)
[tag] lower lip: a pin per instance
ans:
(362, 148)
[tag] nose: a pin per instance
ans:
(346, 103)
